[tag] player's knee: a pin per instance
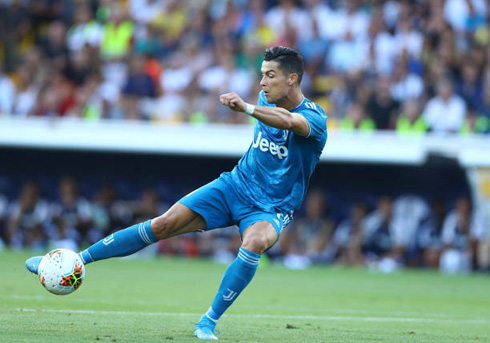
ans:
(163, 226)
(257, 244)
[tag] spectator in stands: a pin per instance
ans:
(463, 231)
(313, 49)
(348, 237)
(406, 85)
(139, 87)
(255, 24)
(177, 75)
(83, 65)
(72, 213)
(347, 54)
(409, 212)
(436, 71)
(429, 235)
(341, 98)
(87, 103)
(226, 75)
(470, 86)
(462, 14)
(289, 22)
(33, 61)
(436, 26)
(54, 47)
(117, 35)
(26, 218)
(175, 80)
(384, 242)
(483, 249)
(63, 236)
(445, 112)
(7, 95)
(45, 11)
(310, 238)
(408, 39)
(350, 17)
(195, 54)
(357, 120)
(322, 15)
(111, 211)
(146, 11)
(381, 107)
(24, 102)
(15, 31)
(85, 31)
(57, 96)
(104, 211)
(475, 123)
(148, 205)
(172, 22)
(410, 120)
(3, 215)
(139, 83)
(484, 108)
(382, 46)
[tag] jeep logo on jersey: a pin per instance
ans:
(264, 145)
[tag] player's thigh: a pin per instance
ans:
(259, 236)
(213, 202)
(179, 219)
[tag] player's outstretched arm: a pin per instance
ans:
(277, 117)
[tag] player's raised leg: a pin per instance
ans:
(177, 220)
(257, 238)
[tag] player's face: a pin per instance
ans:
(274, 83)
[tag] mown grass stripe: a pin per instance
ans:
(269, 316)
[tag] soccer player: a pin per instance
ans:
(259, 194)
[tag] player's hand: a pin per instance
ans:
(233, 101)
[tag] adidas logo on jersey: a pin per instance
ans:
(264, 145)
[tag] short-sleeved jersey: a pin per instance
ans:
(275, 171)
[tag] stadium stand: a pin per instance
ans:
(154, 69)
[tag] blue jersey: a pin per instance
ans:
(275, 171)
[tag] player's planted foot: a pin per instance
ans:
(205, 328)
(32, 264)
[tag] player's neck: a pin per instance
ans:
(291, 101)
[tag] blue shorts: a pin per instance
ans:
(220, 205)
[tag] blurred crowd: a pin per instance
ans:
(411, 66)
(391, 233)
(385, 234)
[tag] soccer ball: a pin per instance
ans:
(61, 271)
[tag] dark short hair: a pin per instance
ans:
(290, 61)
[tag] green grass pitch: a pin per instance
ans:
(130, 300)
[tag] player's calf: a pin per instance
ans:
(121, 243)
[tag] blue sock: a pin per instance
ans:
(236, 278)
(121, 243)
